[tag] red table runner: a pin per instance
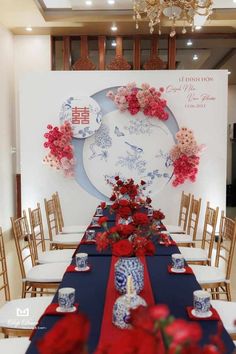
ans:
(108, 330)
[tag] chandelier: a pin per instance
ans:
(185, 11)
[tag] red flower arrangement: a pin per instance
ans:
(185, 157)
(146, 99)
(155, 331)
(61, 155)
(62, 339)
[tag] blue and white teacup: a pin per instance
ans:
(66, 299)
(90, 235)
(81, 260)
(99, 211)
(178, 261)
(201, 302)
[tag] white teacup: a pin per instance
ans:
(90, 235)
(66, 299)
(81, 260)
(178, 261)
(201, 303)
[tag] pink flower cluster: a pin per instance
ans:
(147, 100)
(61, 155)
(185, 157)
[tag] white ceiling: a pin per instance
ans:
(119, 4)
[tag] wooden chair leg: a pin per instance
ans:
(213, 294)
(228, 292)
(23, 293)
(33, 293)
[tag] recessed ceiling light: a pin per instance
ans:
(114, 28)
(198, 28)
(195, 57)
(113, 43)
(88, 2)
(29, 29)
(234, 0)
(111, 2)
(229, 72)
(189, 42)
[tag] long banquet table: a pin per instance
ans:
(174, 290)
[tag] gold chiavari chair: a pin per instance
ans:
(217, 277)
(12, 321)
(57, 240)
(36, 279)
(183, 215)
(227, 311)
(189, 237)
(202, 255)
(68, 229)
(37, 231)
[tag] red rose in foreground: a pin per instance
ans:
(140, 219)
(122, 248)
(102, 220)
(158, 215)
(125, 212)
(159, 312)
(103, 205)
(181, 331)
(61, 339)
(126, 230)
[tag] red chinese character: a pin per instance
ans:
(80, 115)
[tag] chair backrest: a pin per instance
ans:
(184, 210)
(4, 283)
(210, 222)
(24, 244)
(36, 223)
(51, 214)
(226, 243)
(60, 220)
(194, 212)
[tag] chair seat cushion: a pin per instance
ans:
(55, 256)
(205, 274)
(68, 239)
(227, 312)
(14, 345)
(74, 229)
(48, 273)
(193, 254)
(23, 313)
(181, 238)
(175, 229)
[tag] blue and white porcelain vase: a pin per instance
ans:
(122, 307)
(126, 266)
(123, 221)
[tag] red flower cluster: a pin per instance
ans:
(158, 215)
(62, 339)
(155, 331)
(59, 141)
(185, 167)
(140, 219)
(61, 155)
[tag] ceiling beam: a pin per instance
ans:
(225, 58)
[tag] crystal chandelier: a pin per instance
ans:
(185, 11)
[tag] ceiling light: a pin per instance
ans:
(88, 2)
(195, 57)
(29, 29)
(178, 10)
(229, 72)
(113, 43)
(234, 0)
(111, 2)
(114, 28)
(198, 28)
(189, 43)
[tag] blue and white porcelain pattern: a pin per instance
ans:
(82, 126)
(201, 303)
(66, 298)
(122, 307)
(126, 266)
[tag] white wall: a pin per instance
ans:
(7, 160)
(33, 54)
(231, 119)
